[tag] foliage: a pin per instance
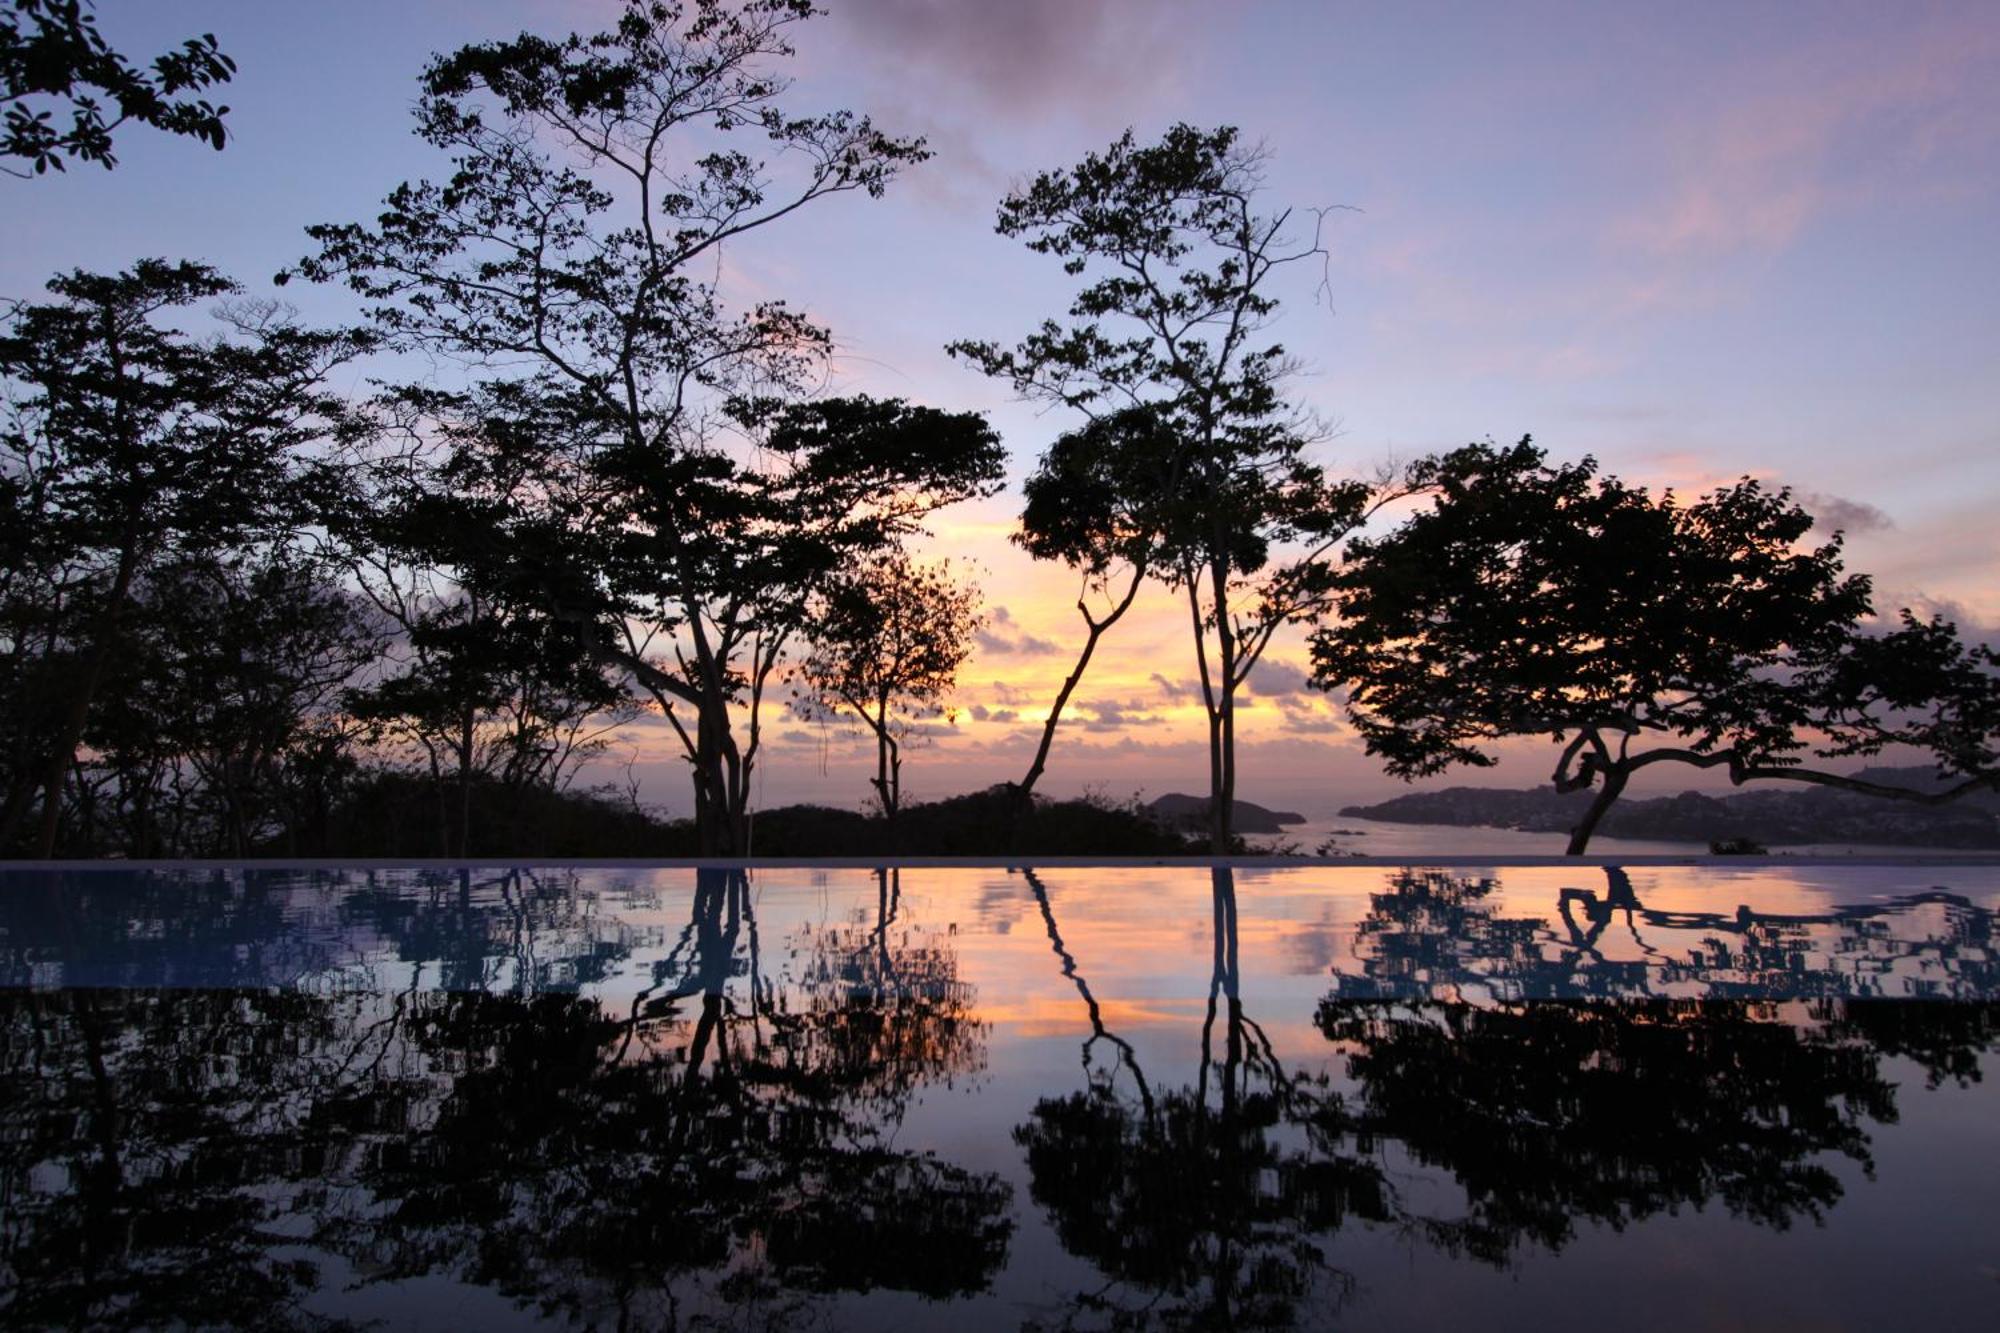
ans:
(1193, 468)
(628, 467)
(130, 444)
(888, 637)
(1532, 598)
(52, 57)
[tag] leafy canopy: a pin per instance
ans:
(1532, 598)
(52, 57)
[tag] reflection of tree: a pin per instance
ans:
(1556, 1087)
(715, 1142)
(1581, 1090)
(1204, 1205)
(879, 1010)
(1434, 935)
(134, 1145)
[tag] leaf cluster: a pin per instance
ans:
(51, 52)
(1536, 598)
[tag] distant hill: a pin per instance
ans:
(1181, 811)
(1773, 813)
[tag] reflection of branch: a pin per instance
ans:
(1126, 1054)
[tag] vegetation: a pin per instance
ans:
(1539, 599)
(241, 613)
(53, 59)
(1194, 467)
(888, 639)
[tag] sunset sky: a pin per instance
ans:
(1698, 241)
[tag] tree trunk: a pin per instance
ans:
(1614, 786)
(1096, 631)
(465, 728)
(1222, 730)
(71, 735)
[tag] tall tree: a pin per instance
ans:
(625, 480)
(52, 57)
(1538, 599)
(1091, 504)
(1178, 266)
(129, 440)
(888, 637)
(225, 697)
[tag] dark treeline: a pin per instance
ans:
(243, 613)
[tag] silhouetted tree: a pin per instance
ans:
(1092, 503)
(573, 252)
(127, 442)
(220, 725)
(1537, 599)
(53, 59)
(1178, 265)
(887, 639)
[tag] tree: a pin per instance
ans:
(1537, 599)
(1164, 351)
(222, 713)
(630, 469)
(1090, 504)
(888, 637)
(52, 53)
(129, 441)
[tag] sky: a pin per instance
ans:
(1697, 242)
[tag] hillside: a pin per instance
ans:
(1190, 813)
(1774, 814)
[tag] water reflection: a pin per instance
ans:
(170, 1154)
(304, 1101)
(1203, 1203)
(1571, 1091)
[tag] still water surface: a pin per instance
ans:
(1542, 1098)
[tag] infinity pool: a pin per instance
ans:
(1536, 1098)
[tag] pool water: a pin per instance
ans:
(1528, 1097)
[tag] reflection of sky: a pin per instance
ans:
(1697, 241)
(1142, 937)
(1140, 940)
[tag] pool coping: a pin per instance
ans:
(1974, 859)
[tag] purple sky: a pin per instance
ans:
(1697, 240)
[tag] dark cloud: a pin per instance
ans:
(1832, 513)
(1171, 689)
(1272, 678)
(1001, 639)
(1116, 715)
(1032, 58)
(981, 713)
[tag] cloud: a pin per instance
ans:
(1171, 689)
(1836, 121)
(1010, 694)
(998, 641)
(1116, 715)
(981, 713)
(1833, 513)
(1031, 58)
(1272, 678)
